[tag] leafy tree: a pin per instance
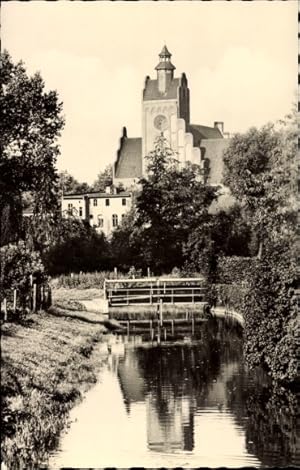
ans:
(103, 180)
(68, 184)
(30, 125)
(77, 248)
(171, 203)
(260, 169)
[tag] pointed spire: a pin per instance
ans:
(165, 53)
(164, 60)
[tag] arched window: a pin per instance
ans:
(115, 220)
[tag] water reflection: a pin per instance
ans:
(179, 383)
(187, 402)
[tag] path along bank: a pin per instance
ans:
(47, 363)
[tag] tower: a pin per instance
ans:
(165, 101)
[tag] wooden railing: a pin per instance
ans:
(153, 291)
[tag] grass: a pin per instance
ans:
(47, 364)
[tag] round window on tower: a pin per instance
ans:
(160, 122)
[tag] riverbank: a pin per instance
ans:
(48, 362)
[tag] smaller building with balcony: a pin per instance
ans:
(103, 210)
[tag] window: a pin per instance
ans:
(91, 216)
(123, 215)
(123, 202)
(100, 221)
(107, 202)
(80, 211)
(95, 202)
(70, 209)
(115, 220)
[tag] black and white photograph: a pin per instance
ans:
(149, 240)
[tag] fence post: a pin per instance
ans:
(34, 299)
(15, 301)
(148, 271)
(5, 308)
(116, 271)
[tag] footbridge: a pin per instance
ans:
(151, 298)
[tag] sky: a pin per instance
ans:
(240, 59)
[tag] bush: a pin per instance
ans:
(232, 269)
(17, 264)
(84, 280)
(270, 309)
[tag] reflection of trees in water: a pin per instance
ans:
(272, 425)
(271, 432)
(171, 372)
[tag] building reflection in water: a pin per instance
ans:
(180, 382)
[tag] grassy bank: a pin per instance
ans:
(48, 361)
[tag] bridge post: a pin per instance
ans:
(160, 312)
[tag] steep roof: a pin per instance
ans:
(204, 132)
(129, 162)
(151, 91)
(165, 52)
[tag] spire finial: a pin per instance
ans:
(165, 53)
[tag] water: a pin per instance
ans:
(188, 402)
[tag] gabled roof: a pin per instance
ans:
(129, 162)
(151, 91)
(204, 132)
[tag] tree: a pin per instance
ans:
(171, 203)
(260, 169)
(68, 184)
(103, 180)
(30, 126)
(77, 247)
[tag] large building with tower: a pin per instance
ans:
(166, 111)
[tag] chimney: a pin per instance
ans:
(219, 125)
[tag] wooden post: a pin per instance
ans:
(165, 334)
(128, 327)
(5, 308)
(42, 297)
(116, 271)
(193, 325)
(104, 290)
(160, 312)
(172, 325)
(15, 301)
(31, 279)
(127, 298)
(193, 299)
(187, 315)
(34, 298)
(164, 287)
(172, 296)
(148, 272)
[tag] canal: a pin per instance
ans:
(187, 401)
